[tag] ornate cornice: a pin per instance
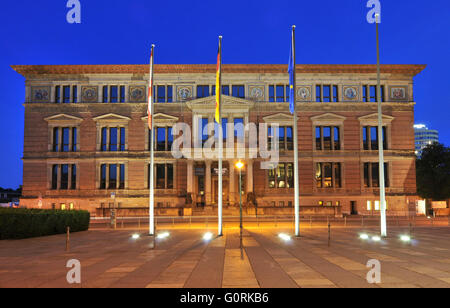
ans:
(27, 70)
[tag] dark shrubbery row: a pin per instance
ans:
(24, 223)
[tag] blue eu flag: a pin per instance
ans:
(291, 82)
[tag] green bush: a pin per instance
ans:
(24, 223)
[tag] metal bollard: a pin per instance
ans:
(362, 221)
(310, 221)
(122, 223)
(139, 224)
(190, 221)
(173, 221)
(345, 221)
(68, 239)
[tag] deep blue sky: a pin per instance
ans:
(255, 31)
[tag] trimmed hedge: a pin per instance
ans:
(24, 223)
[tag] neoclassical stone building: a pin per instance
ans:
(86, 137)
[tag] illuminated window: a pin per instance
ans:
(63, 206)
(377, 205)
(369, 205)
(328, 175)
(282, 176)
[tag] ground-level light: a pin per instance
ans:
(405, 238)
(163, 235)
(208, 236)
(135, 236)
(284, 237)
(364, 236)
(376, 238)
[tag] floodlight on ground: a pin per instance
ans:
(135, 236)
(207, 236)
(163, 235)
(364, 236)
(284, 237)
(376, 238)
(405, 238)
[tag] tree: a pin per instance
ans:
(433, 172)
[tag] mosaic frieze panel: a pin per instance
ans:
(89, 94)
(137, 94)
(398, 93)
(256, 92)
(184, 93)
(40, 94)
(304, 93)
(350, 93)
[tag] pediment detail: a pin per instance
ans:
(162, 119)
(62, 117)
(280, 118)
(111, 117)
(328, 118)
(228, 103)
(372, 119)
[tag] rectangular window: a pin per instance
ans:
(327, 138)
(73, 184)
(103, 176)
(326, 94)
(239, 127)
(226, 90)
(328, 175)
(161, 95)
(58, 94)
(289, 139)
(371, 175)
(122, 94)
(290, 175)
(114, 94)
(112, 177)
(104, 146)
(122, 139)
(75, 94)
(66, 94)
(56, 139)
(366, 175)
(366, 138)
(202, 91)
(335, 94)
(64, 177)
(271, 94)
(122, 177)
(161, 139)
(280, 94)
(74, 139)
(318, 94)
(371, 133)
(113, 139)
(105, 94)
(281, 176)
(65, 139)
(382, 94)
(169, 139)
(373, 93)
(364, 94)
(239, 91)
(204, 130)
(271, 177)
(319, 138)
(288, 93)
(337, 138)
(160, 176)
(281, 137)
(169, 94)
(55, 177)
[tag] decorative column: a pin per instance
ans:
(190, 176)
(208, 191)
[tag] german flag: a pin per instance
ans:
(218, 81)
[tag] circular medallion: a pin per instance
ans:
(303, 93)
(350, 93)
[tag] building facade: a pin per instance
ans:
(424, 137)
(86, 137)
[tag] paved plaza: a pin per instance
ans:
(184, 260)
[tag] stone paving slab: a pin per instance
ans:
(185, 260)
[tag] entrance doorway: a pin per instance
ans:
(225, 190)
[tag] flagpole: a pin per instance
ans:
(295, 131)
(152, 142)
(220, 193)
(380, 138)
